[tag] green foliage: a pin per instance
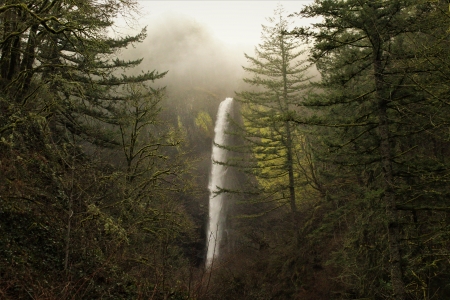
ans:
(205, 123)
(279, 82)
(380, 141)
(92, 184)
(98, 195)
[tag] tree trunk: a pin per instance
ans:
(28, 60)
(398, 286)
(7, 44)
(290, 160)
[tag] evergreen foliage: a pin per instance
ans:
(278, 83)
(79, 219)
(380, 136)
(377, 142)
(99, 195)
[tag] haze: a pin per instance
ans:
(202, 43)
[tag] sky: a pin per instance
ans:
(231, 22)
(201, 43)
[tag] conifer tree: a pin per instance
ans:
(69, 217)
(277, 77)
(377, 122)
(62, 50)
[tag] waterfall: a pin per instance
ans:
(217, 178)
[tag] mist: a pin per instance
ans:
(194, 58)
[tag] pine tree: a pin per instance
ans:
(277, 75)
(69, 216)
(62, 50)
(376, 119)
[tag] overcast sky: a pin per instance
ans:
(201, 43)
(232, 22)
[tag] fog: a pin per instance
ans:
(193, 57)
(202, 70)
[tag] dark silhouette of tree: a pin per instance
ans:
(379, 128)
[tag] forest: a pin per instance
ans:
(337, 142)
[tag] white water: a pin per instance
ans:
(217, 179)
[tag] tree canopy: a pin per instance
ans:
(277, 81)
(338, 182)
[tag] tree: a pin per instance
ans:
(278, 80)
(373, 119)
(63, 99)
(63, 50)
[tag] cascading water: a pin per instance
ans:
(217, 179)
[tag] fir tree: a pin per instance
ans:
(278, 80)
(376, 123)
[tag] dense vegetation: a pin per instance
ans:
(344, 175)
